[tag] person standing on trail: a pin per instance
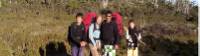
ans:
(132, 36)
(109, 35)
(77, 36)
(94, 36)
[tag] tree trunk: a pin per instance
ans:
(105, 3)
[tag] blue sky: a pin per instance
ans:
(196, 1)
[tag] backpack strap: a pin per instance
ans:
(95, 27)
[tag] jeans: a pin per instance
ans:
(77, 51)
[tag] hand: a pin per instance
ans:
(98, 45)
(95, 47)
(116, 47)
(82, 43)
(125, 28)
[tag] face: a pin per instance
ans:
(109, 16)
(99, 20)
(79, 19)
(132, 24)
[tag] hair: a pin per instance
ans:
(131, 21)
(79, 14)
(105, 11)
(108, 12)
(137, 27)
(94, 19)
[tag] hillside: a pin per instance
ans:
(39, 27)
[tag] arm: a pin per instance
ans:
(84, 35)
(128, 37)
(91, 28)
(101, 33)
(139, 36)
(139, 39)
(116, 33)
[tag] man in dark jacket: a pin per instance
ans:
(109, 35)
(77, 36)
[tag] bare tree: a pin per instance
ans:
(186, 7)
(155, 2)
(0, 4)
(183, 6)
(105, 3)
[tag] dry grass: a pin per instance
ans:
(25, 29)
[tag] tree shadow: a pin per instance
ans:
(54, 49)
(166, 47)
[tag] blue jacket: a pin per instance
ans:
(94, 33)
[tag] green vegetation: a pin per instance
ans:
(39, 27)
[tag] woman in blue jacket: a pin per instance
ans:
(94, 36)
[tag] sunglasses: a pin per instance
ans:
(109, 16)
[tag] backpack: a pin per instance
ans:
(118, 19)
(87, 19)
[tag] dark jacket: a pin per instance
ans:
(134, 33)
(76, 34)
(109, 33)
